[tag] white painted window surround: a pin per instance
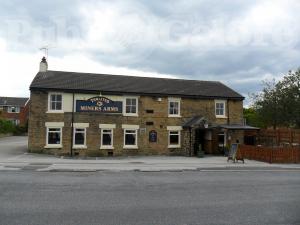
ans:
(54, 129)
(220, 108)
(130, 105)
(107, 130)
(55, 104)
(174, 133)
(174, 127)
(174, 139)
(130, 136)
(174, 107)
(79, 135)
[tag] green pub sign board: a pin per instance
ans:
(99, 104)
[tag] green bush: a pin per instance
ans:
(6, 127)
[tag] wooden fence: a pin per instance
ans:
(278, 137)
(271, 155)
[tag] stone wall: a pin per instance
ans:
(159, 117)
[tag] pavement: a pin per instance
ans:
(14, 157)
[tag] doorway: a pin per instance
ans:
(199, 140)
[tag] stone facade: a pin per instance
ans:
(152, 115)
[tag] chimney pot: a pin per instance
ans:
(43, 65)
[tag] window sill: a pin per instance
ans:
(174, 146)
(107, 147)
(79, 147)
(129, 114)
(221, 117)
(55, 111)
(53, 146)
(130, 147)
(178, 116)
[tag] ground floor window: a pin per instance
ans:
(174, 139)
(79, 137)
(130, 138)
(106, 138)
(54, 136)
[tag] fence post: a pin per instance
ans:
(271, 155)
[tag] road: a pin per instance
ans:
(177, 198)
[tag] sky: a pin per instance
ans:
(238, 42)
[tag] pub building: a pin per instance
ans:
(89, 114)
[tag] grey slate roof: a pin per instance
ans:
(194, 122)
(13, 101)
(107, 83)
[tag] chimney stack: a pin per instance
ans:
(43, 65)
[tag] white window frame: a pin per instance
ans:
(54, 125)
(224, 111)
(110, 127)
(176, 100)
(49, 103)
(137, 106)
(83, 126)
(17, 109)
(131, 128)
(174, 129)
(111, 146)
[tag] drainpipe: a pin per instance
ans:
(228, 120)
(72, 127)
(190, 129)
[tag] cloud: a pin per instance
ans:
(239, 43)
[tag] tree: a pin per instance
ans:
(279, 103)
(252, 118)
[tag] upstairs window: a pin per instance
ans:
(131, 106)
(220, 108)
(174, 107)
(13, 109)
(55, 103)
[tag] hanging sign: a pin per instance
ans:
(99, 104)
(152, 136)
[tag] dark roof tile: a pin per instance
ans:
(73, 81)
(13, 101)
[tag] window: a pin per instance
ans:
(13, 109)
(130, 138)
(174, 107)
(130, 135)
(174, 138)
(107, 138)
(55, 102)
(131, 106)
(79, 137)
(220, 108)
(54, 136)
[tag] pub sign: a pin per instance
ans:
(99, 104)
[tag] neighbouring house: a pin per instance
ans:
(14, 109)
(101, 115)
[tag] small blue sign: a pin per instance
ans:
(152, 136)
(99, 104)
